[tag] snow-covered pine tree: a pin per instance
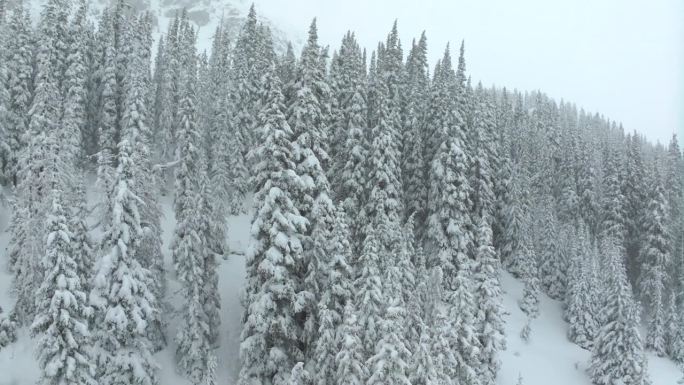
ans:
(503, 173)
(677, 335)
(211, 203)
(384, 208)
(389, 364)
(448, 237)
(299, 375)
(463, 337)
(529, 304)
(674, 173)
(353, 174)
(515, 219)
(74, 86)
(489, 307)
(190, 245)
(8, 329)
(287, 69)
(414, 170)
(82, 245)
(551, 258)
(672, 331)
(275, 254)
(443, 353)
(122, 317)
(350, 361)
(582, 293)
(481, 157)
(635, 192)
(248, 67)
(369, 293)
(350, 142)
(38, 156)
(336, 293)
(107, 130)
(19, 75)
(62, 315)
(146, 184)
(588, 184)
(612, 215)
(307, 118)
(423, 370)
(414, 281)
(655, 258)
(226, 161)
(617, 356)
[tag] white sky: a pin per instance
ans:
(622, 58)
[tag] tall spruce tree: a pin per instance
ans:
(62, 314)
(122, 316)
(655, 257)
(489, 312)
(275, 254)
(617, 356)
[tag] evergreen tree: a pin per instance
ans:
(246, 77)
(19, 76)
(413, 163)
(612, 221)
(655, 258)
(449, 237)
(617, 356)
(635, 190)
(122, 316)
(423, 371)
(8, 330)
(74, 115)
(271, 335)
(390, 364)
(145, 187)
(384, 208)
(482, 156)
(582, 293)
(299, 375)
(530, 301)
(489, 313)
(551, 256)
(369, 293)
(463, 336)
(106, 157)
(225, 158)
(675, 200)
(349, 361)
(190, 245)
(353, 175)
(516, 218)
(308, 119)
(336, 293)
(62, 314)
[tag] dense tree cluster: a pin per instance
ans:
(386, 197)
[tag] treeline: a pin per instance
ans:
(386, 196)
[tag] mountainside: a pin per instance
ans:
(547, 358)
(244, 216)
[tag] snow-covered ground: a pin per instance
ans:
(548, 358)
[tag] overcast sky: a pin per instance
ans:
(622, 58)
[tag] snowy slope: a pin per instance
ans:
(549, 358)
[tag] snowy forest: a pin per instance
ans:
(385, 196)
